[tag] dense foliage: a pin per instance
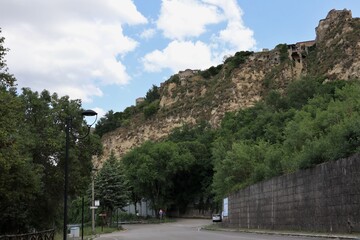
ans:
(212, 71)
(283, 50)
(310, 123)
(234, 61)
(32, 149)
(6, 79)
(112, 189)
(175, 173)
(112, 120)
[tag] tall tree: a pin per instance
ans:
(6, 79)
(151, 168)
(153, 94)
(46, 117)
(111, 186)
(19, 177)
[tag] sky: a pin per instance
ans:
(110, 52)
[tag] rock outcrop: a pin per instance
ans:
(191, 97)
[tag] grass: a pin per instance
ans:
(105, 229)
(88, 234)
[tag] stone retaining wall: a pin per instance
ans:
(323, 198)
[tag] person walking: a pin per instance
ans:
(161, 213)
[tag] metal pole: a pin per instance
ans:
(93, 206)
(82, 219)
(68, 122)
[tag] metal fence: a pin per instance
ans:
(43, 235)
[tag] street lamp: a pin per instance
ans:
(93, 207)
(86, 113)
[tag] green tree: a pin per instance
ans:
(111, 186)
(310, 123)
(325, 129)
(151, 109)
(153, 94)
(6, 79)
(45, 117)
(19, 177)
(108, 123)
(195, 182)
(150, 169)
(300, 91)
(192, 185)
(32, 149)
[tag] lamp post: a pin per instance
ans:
(93, 207)
(86, 113)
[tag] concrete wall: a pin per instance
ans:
(192, 213)
(323, 198)
(144, 209)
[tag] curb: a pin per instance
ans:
(340, 237)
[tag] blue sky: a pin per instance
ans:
(110, 52)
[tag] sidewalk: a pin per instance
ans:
(217, 227)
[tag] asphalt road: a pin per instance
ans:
(188, 229)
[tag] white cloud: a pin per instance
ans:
(148, 33)
(236, 34)
(186, 18)
(68, 47)
(179, 55)
(230, 8)
(101, 113)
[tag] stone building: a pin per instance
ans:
(187, 73)
(139, 100)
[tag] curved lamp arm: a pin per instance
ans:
(88, 113)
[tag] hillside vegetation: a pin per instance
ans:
(257, 115)
(278, 135)
(32, 155)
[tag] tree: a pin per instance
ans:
(151, 109)
(111, 186)
(150, 169)
(153, 94)
(32, 155)
(45, 118)
(108, 123)
(6, 79)
(192, 185)
(19, 177)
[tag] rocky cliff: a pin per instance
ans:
(192, 95)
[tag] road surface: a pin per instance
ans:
(188, 229)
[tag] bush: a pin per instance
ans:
(151, 109)
(283, 52)
(205, 74)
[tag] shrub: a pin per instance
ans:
(151, 109)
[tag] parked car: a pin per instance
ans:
(216, 217)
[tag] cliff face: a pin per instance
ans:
(192, 95)
(337, 46)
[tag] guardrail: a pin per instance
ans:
(43, 235)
